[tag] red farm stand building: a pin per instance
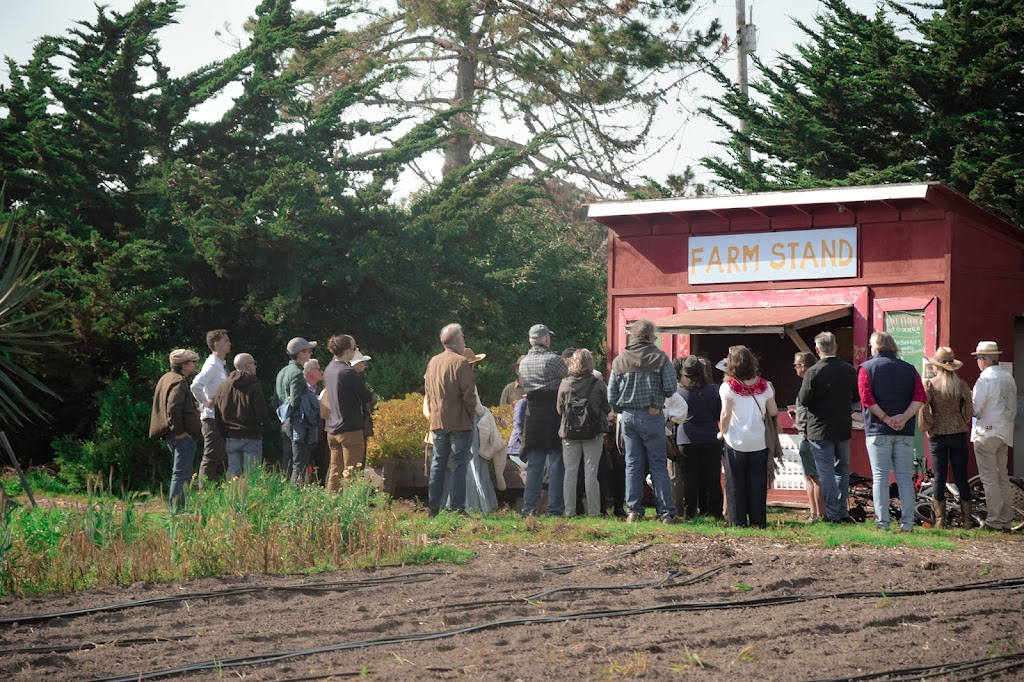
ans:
(772, 270)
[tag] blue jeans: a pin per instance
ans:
(644, 435)
(535, 463)
(832, 460)
(243, 455)
(889, 455)
(454, 444)
(184, 452)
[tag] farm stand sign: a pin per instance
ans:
(772, 256)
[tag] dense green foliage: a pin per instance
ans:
(893, 97)
(272, 220)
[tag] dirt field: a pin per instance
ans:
(824, 638)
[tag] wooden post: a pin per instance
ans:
(17, 467)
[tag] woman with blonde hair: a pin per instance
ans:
(746, 399)
(582, 400)
(945, 420)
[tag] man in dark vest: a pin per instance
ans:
(540, 373)
(829, 391)
(891, 393)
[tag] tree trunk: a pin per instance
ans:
(457, 153)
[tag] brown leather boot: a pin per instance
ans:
(965, 513)
(939, 506)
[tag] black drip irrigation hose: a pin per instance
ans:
(65, 648)
(263, 659)
(668, 581)
(569, 568)
(924, 672)
(339, 586)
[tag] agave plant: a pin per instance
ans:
(24, 330)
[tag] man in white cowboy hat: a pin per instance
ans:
(175, 419)
(995, 406)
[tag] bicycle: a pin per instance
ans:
(924, 511)
(861, 501)
(1017, 502)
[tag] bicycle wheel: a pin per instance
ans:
(924, 514)
(1017, 500)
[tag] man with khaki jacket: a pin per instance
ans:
(451, 401)
(175, 419)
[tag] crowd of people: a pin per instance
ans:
(657, 421)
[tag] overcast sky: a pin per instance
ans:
(685, 137)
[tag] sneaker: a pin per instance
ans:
(669, 519)
(633, 517)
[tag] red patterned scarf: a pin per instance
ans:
(740, 388)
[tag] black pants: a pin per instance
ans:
(215, 457)
(950, 450)
(611, 478)
(746, 487)
(702, 479)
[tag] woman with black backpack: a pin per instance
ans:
(583, 405)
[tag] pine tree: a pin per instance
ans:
(591, 75)
(893, 97)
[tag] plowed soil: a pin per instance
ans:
(745, 621)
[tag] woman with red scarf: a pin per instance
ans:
(746, 398)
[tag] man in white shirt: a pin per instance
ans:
(995, 406)
(204, 388)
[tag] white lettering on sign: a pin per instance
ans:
(804, 254)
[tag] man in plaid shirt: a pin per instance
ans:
(540, 374)
(642, 377)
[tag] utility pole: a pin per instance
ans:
(746, 42)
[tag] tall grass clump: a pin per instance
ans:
(258, 524)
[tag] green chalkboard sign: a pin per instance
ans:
(907, 329)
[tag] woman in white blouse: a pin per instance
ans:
(746, 399)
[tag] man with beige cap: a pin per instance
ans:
(175, 418)
(995, 406)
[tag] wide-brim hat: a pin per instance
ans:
(358, 357)
(473, 357)
(987, 348)
(692, 366)
(945, 358)
(720, 365)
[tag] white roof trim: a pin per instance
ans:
(836, 195)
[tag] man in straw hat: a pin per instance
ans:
(995, 406)
(450, 396)
(175, 419)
